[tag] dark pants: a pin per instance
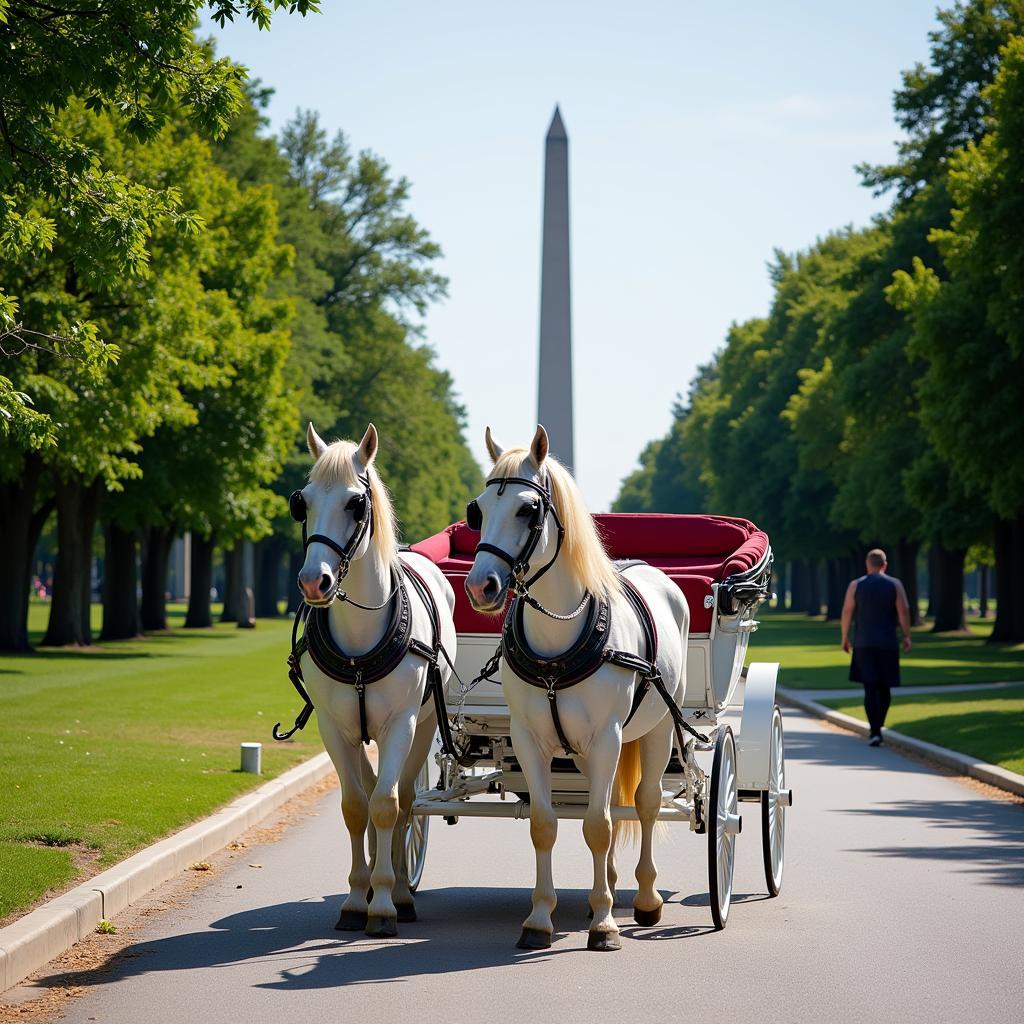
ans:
(877, 698)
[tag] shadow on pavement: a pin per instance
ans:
(460, 929)
(986, 837)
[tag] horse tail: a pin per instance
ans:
(627, 778)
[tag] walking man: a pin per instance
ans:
(875, 604)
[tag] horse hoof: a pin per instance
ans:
(602, 942)
(381, 927)
(534, 938)
(406, 913)
(351, 921)
(647, 918)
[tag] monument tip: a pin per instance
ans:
(556, 130)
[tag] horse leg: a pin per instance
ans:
(537, 928)
(369, 781)
(392, 752)
(355, 811)
(612, 868)
(602, 760)
(655, 749)
(402, 894)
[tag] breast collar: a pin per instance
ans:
(587, 655)
(520, 564)
(360, 669)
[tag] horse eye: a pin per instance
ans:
(526, 510)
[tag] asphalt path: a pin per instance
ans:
(903, 900)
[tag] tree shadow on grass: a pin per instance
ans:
(460, 929)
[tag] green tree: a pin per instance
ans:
(138, 59)
(968, 330)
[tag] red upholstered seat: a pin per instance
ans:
(695, 551)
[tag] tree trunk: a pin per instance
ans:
(814, 588)
(232, 581)
(933, 581)
(20, 527)
(982, 591)
(199, 615)
(782, 583)
(949, 593)
(295, 560)
(120, 584)
(154, 578)
(837, 583)
(69, 624)
(904, 568)
(268, 578)
(798, 585)
(1009, 545)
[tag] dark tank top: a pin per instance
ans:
(875, 615)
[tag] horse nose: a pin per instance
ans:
(315, 585)
(483, 595)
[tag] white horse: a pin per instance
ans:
(343, 486)
(517, 522)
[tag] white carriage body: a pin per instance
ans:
(718, 689)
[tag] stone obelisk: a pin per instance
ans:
(554, 392)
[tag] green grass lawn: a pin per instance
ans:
(105, 751)
(989, 725)
(811, 658)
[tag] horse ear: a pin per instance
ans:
(367, 451)
(539, 446)
(494, 449)
(316, 444)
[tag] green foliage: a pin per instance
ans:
(137, 62)
(841, 419)
(943, 107)
(967, 329)
(362, 267)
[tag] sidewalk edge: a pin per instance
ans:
(49, 930)
(991, 774)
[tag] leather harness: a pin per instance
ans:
(591, 650)
(398, 642)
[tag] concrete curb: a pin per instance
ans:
(992, 774)
(49, 930)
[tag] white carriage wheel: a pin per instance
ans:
(773, 811)
(416, 832)
(724, 822)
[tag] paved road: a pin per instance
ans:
(904, 900)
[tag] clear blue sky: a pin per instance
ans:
(702, 136)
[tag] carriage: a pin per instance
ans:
(732, 751)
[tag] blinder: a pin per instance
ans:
(357, 506)
(297, 506)
(474, 517)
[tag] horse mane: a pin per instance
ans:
(336, 466)
(582, 548)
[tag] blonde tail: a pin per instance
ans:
(627, 778)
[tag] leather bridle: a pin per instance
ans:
(519, 580)
(361, 507)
